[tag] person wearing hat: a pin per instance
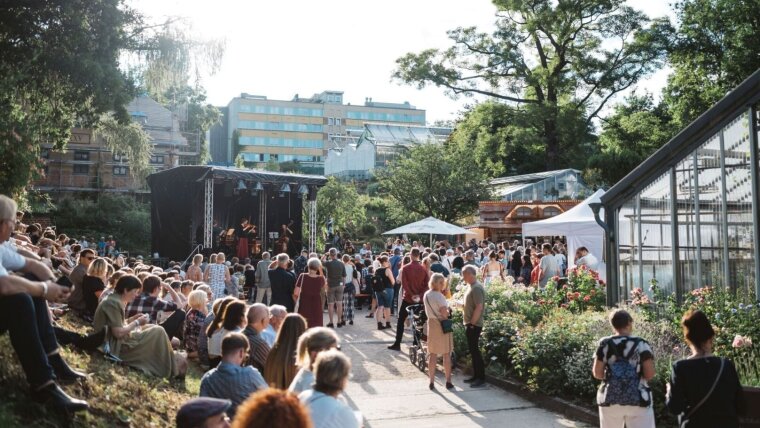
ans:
(204, 412)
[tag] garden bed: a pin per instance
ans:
(543, 341)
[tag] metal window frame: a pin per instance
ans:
(753, 156)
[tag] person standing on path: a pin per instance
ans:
(549, 266)
(439, 342)
(395, 263)
(311, 284)
(263, 287)
(414, 282)
(336, 272)
(474, 311)
(282, 282)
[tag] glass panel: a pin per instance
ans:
(711, 218)
(687, 223)
(739, 202)
(627, 238)
(656, 233)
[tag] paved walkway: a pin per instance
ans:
(390, 392)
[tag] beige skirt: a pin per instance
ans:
(438, 342)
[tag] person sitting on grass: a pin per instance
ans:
(194, 321)
(231, 379)
(148, 302)
(280, 368)
(258, 320)
(204, 412)
(331, 372)
(310, 344)
(277, 314)
(24, 315)
(147, 349)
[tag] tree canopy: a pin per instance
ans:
(715, 49)
(430, 180)
(566, 57)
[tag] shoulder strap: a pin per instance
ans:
(634, 348)
(431, 307)
(709, 393)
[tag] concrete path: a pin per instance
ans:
(390, 392)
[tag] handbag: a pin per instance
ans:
(297, 295)
(683, 418)
(446, 325)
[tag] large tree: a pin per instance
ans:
(431, 180)
(716, 48)
(553, 57)
(635, 130)
(508, 141)
(58, 68)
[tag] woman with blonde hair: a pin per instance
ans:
(194, 272)
(310, 344)
(439, 342)
(280, 368)
(93, 284)
(197, 300)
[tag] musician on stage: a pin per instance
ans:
(244, 231)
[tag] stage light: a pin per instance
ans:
(258, 187)
(303, 190)
(241, 185)
(285, 188)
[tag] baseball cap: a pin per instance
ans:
(194, 413)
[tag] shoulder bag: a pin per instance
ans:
(683, 418)
(297, 292)
(446, 325)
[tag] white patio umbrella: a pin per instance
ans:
(430, 226)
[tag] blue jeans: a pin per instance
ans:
(385, 297)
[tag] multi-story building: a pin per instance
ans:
(88, 165)
(376, 146)
(302, 129)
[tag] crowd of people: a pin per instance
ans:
(256, 327)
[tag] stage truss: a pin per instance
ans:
(312, 208)
(208, 214)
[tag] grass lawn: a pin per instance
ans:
(118, 396)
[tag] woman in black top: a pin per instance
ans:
(693, 378)
(93, 284)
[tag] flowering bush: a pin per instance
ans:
(583, 290)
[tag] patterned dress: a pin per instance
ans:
(216, 280)
(193, 325)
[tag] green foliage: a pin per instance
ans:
(239, 162)
(58, 68)
(635, 130)
(201, 116)
(715, 50)
(127, 139)
(340, 202)
(430, 180)
(108, 214)
(272, 165)
(553, 57)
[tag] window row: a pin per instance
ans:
(280, 126)
(83, 169)
(281, 142)
(286, 111)
(386, 117)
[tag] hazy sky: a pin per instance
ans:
(283, 47)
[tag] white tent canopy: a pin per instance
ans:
(430, 226)
(577, 225)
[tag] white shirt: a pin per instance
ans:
(303, 381)
(215, 341)
(10, 260)
(328, 412)
(589, 261)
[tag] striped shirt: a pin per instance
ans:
(259, 349)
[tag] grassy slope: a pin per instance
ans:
(118, 396)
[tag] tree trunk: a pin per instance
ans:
(551, 140)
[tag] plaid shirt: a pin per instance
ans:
(147, 304)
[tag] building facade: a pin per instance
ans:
(526, 198)
(88, 165)
(301, 129)
(376, 146)
(687, 217)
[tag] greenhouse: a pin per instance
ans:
(687, 216)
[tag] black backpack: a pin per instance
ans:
(378, 282)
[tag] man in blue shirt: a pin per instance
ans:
(395, 262)
(231, 380)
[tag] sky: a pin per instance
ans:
(287, 47)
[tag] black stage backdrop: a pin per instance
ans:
(177, 206)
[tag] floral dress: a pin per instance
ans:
(193, 325)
